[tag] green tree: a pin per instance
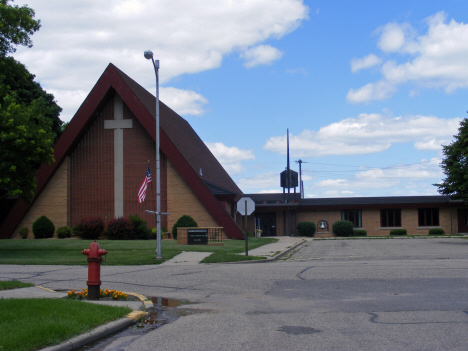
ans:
(455, 165)
(26, 141)
(16, 26)
(14, 77)
(29, 116)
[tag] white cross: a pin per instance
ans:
(118, 124)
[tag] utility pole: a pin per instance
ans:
(301, 188)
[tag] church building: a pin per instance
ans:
(102, 157)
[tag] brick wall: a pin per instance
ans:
(52, 202)
(182, 201)
(316, 216)
(139, 148)
(371, 221)
(92, 171)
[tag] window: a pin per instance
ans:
(428, 217)
(390, 217)
(353, 216)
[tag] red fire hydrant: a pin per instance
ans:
(94, 270)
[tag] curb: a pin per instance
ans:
(103, 330)
(274, 258)
(94, 335)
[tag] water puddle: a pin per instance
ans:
(158, 315)
(162, 301)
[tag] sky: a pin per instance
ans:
(369, 90)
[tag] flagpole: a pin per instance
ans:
(149, 55)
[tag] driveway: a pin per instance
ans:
(389, 294)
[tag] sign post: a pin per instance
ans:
(245, 207)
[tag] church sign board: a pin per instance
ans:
(197, 236)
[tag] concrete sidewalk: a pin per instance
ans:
(271, 251)
(278, 249)
(38, 292)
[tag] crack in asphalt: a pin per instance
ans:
(298, 275)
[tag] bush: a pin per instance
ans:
(119, 229)
(359, 232)
(436, 231)
(140, 228)
(63, 232)
(184, 221)
(343, 228)
(154, 230)
(43, 228)
(90, 228)
(306, 228)
(23, 232)
(398, 232)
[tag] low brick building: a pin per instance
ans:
(376, 215)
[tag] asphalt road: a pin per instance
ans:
(394, 294)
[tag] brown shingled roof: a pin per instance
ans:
(184, 138)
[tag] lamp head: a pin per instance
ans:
(148, 54)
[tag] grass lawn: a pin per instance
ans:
(30, 324)
(121, 252)
(13, 284)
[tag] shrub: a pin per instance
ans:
(343, 228)
(154, 230)
(74, 230)
(306, 228)
(398, 232)
(63, 232)
(43, 228)
(184, 221)
(436, 231)
(23, 232)
(119, 229)
(140, 228)
(359, 232)
(90, 228)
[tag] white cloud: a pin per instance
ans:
(368, 61)
(367, 133)
(260, 55)
(373, 91)
(396, 37)
(396, 180)
(230, 157)
(437, 59)
(271, 191)
(270, 180)
(184, 102)
(424, 170)
(79, 38)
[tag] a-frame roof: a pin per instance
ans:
(178, 141)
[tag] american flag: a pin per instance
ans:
(144, 186)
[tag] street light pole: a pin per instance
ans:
(149, 55)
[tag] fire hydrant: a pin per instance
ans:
(94, 270)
